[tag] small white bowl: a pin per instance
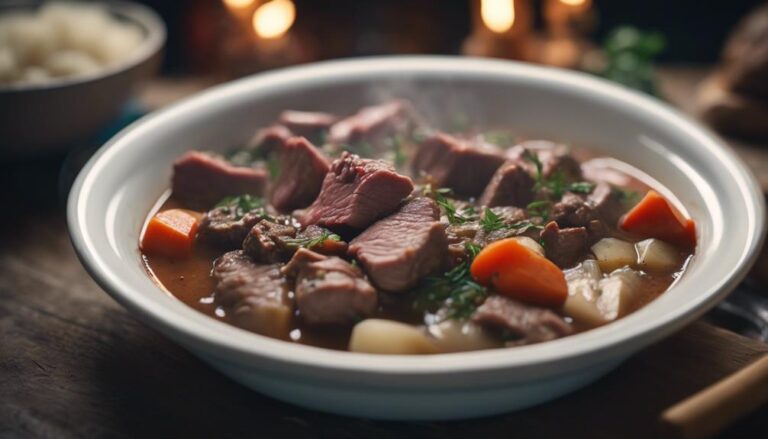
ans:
(113, 194)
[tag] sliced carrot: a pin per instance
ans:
(516, 271)
(171, 233)
(655, 217)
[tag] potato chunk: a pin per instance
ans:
(377, 336)
(457, 336)
(618, 293)
(583, 290)
(613, 253)
(656, 255)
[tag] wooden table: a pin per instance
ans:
(73, 363)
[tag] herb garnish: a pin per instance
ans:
(455, 291)
(455, 216)
(539, 208)
(628, 197)
(273, 165)
(492, 221)
(396, 144)
(556, 182)
(499, 138)
(243, 204)
(310, 242)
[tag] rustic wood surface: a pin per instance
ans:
(73, 363)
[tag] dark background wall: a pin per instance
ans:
(695, 29)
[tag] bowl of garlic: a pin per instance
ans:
(67, 69)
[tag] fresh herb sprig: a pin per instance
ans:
(492, 221)
(454, 214)
(455, 293)
(240, 205)
(540, 208)
(555, 183)
(310, 242)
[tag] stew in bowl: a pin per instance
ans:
(379, 232)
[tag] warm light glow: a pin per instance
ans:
(498, 15)
(238, 4)
(274, 18)
(573, 2)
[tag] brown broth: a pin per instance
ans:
(190, 281)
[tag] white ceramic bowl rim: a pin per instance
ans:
(137, 13)
(227, 342)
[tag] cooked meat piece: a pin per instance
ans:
(511, 185)
(575, 210)
(253, 296)
(301, 170)
(223, 228)
(458, 237)
(402, 248)
(330, 290)
(375, 123)
(566, 246)
(201, 179)
(606, 202)
(572, 211)
(355, 193)
(269, 139)
(306, 123)
(553, 157)
(321, 240)
(524, 324)
(450, 162)
(266, 242)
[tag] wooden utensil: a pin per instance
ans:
(706, 413)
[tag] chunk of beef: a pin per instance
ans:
(329, 290)
(306, 123)
(200, 179)
(355, 193)
(253, 296)
(576, 210)
(268, 140)
(301, 170)
(462, 166)
(511, 185)
(554, 158)
(223, 228)
(458, 237)
(564, 247)
(524, 324)
(266, 242)
(375, 123)
(402, 248)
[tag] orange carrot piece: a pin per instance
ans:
(655, 217)
(171, 233)
(515, 271)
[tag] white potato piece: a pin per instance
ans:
(35, 75)
(69, 63)
(79, 26)
(656, 255)
(378, 336)
(618, 293)
(530, 244)
(457, 336)
(583, 290)
(613, 253)
(118, 43)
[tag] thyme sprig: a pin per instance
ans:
(310, 242)
(240, 205)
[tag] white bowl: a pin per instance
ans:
(117, 188)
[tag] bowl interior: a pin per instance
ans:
(116, 190)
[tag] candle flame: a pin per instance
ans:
(238, 4)
(274, 18)
(573, 2)
(498, 15)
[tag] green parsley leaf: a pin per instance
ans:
(243, 204)
(539, 208)
(581, 187)
(309, 242)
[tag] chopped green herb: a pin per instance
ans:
(472, 248)
(241, 205)
(581, 187)
(273, 166)
(455, 216)
(454, 291)
(398, 155)
(539, 208)
(491, 221)
(310, 242)
(628, 197)
(525, 225)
